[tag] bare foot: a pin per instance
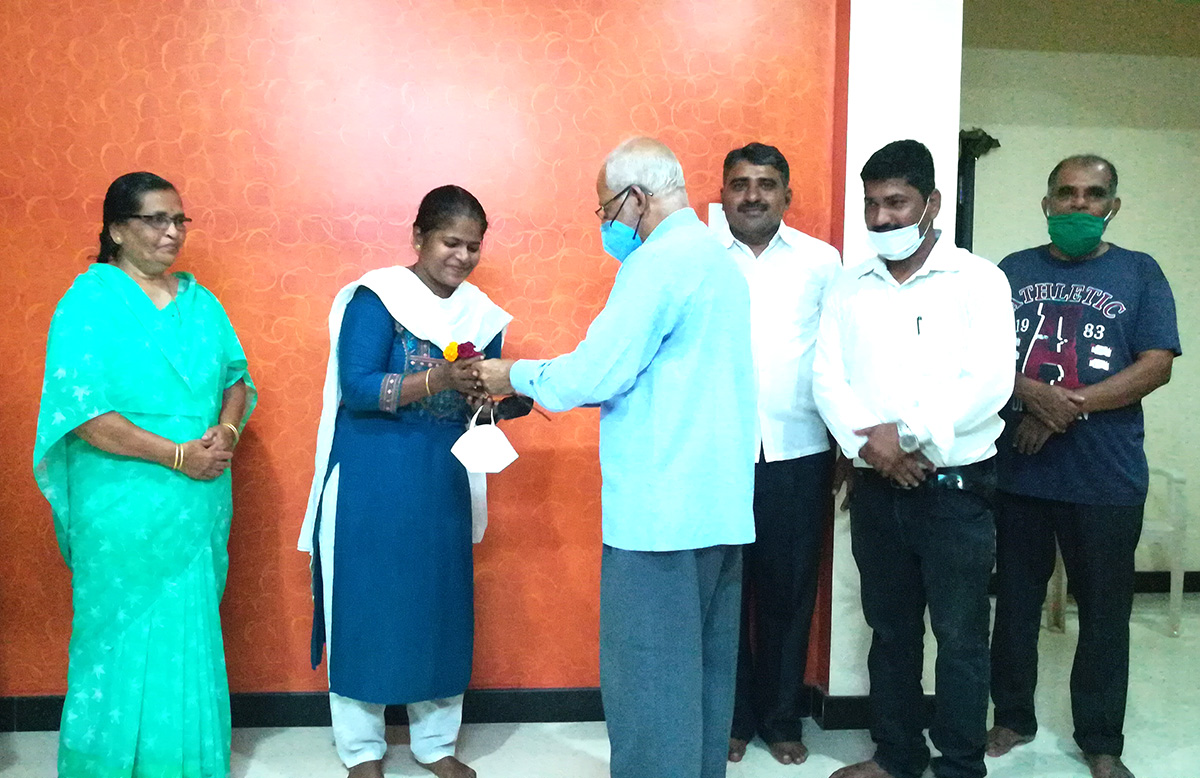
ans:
(1001, 740)
(789, 752)
(1107, 766)
(372, 769)
(448, 767)
(867, 769)
(737, 749)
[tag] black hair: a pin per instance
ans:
(758, 154)
(1084, 160)
(124, 199)
(905, 159)
(446, 203)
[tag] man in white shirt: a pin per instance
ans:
(914, 360)
(789, 274)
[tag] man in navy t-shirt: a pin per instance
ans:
(1096, 333)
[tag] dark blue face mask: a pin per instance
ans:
(618, 238)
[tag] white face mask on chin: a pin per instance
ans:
(483, 448)
(900, 243)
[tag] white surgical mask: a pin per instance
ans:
(483, 448)
(900, 243)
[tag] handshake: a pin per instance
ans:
(491, 375)
(479, 378)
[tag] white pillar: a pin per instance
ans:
(904, 82)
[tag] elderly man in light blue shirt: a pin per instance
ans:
(668, 361)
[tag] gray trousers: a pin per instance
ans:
(668, 659)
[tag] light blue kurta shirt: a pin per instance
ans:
(668, 361)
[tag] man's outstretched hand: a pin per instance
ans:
(492, 375)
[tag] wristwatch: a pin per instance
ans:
(908, 438)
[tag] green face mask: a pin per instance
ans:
(1076, 234)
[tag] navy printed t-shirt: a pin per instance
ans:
(1079, 323)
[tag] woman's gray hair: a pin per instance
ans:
(645, 162)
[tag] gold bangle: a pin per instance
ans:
(428, 391)
(232, 428)
(178, 457)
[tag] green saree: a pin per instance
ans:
(147, 695)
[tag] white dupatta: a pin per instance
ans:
(466, 315)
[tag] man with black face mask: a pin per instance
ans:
(913, 362)
(1096, 333)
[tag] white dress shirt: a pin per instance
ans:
(788, 284)
(935, 352)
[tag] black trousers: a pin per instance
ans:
(1098, 544)
(930, 546)
(779, 590)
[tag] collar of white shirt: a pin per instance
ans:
(941, 259)
(785, 234)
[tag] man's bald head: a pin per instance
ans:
(640, 184)
(643, 162)
(1085, 161)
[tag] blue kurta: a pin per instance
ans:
(403, 597)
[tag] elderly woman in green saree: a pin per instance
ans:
(145, 396)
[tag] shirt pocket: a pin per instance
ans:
(943, 337)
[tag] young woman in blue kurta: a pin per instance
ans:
(404, 602)
(390, 523)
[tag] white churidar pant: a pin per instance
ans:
(358, 728)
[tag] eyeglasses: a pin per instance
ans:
(625, 191)
(161, 221)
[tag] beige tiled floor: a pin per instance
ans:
(1162, 729)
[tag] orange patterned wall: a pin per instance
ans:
(302, 135)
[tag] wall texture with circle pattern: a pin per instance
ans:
(301, 136)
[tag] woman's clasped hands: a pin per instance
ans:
(208, 456)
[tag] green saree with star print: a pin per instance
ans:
(147, 695)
